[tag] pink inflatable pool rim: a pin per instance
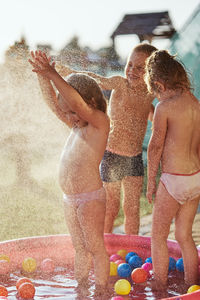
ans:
(59, 248)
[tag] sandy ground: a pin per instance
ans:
(145, 228)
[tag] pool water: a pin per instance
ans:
(62, 285)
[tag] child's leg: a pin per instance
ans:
(113, 190)
(132, 187)
(183, 233)
(91, 216)
(83, 258)
(165, 208)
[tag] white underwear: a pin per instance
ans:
(182, 187)
(77, 199)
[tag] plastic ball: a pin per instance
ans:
(179, 265)
(29, 265)
(3, 297)
(122, 253)
(4, 257)
(122, 287)
(4, 267)
(129, 255)
(47, 265)
(120, 261)
(135, 261)
(26, 290)
(172, 264)
(148, 259)
(115, 257)
(3, 291)
(117, 298)
(147, 266)
(22, 280)
(124, 270)
(113, 268)
(193, 288)
(139, 275)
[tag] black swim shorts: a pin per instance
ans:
(115, 167)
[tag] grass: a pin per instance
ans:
(35, 208)
(25, 213)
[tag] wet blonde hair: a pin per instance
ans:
(89, 90)
(145, 48)
(161, 66)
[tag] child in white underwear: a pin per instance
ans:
(82, 106)
(182, 187)
(175, 142)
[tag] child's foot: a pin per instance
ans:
(83, 283)
(101, 290)
(156, 285)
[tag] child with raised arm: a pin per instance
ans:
(82, 106)
(175, 142)
(122, 164)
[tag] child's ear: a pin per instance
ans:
(160, 87)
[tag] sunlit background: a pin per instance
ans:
(32, 138)
(55, 22)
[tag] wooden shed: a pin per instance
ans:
(146, 26)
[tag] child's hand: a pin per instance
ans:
(42, 64)
(151, 190)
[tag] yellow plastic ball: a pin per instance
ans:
(122, 287)
(29, 265)
(122, 253)
(193, 288)
(113, 269)
(4, 257)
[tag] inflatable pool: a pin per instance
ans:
(60, 249)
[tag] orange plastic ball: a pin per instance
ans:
(22, 280)
(26, 290)
(139, 275)
(3, 291)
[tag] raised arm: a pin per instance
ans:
(106, 83)
(50, 97)
(155, 149)
(73, 99)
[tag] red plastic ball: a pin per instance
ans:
(26, 290)
(139, 275)
(22, 280)
(3, 291)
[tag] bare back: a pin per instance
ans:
(128, 111)
(182, 139)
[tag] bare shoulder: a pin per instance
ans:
(118, 81)
(162, 108)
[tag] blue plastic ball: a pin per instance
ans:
(149, 260)
(124, 270)
(135, 261)
(128, 255)
(172, 264)
(179, 265)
